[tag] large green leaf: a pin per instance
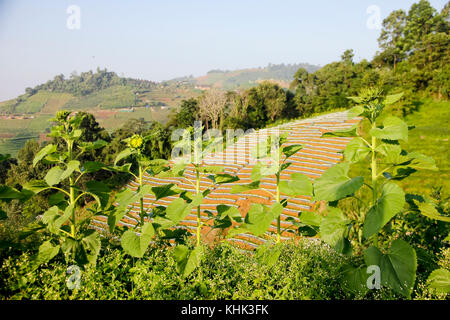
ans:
(394, 129)
(440, 280)
(99, 191)
(177, 210)
(36, 186)
(398, 266)
(310, 218)
(355, 279)
(333, 227)
(54, 220)
(123, 199)
(430, 211)
(50, 148)
(187, 260)
(163, 191)
(46, 252)
(393, 98)
(261, 170)
(72, 166)
(356, 150)
(91, 243)
(260, 217)
(387, 206)
(335, 184)
(53, 176)
(8, 193)
(299, 184)
(136, 245)
(123, 154)
(228, 211)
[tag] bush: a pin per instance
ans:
(305, 270)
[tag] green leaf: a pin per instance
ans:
(394, 129)
(163, 191)
(91, 243)
(420, 161)
(351, 132)
(356, 150)
(187, 261)
(355, 279)
(72, 166)
(54, 220)
(333, 227)
(46, 253)
(92, 166)
(99, 191)
(238, 188)
(36, 186)
(50, 148)
(259, 218)
(398, 266)
(260, 170)
(310, 218)
(123, 154)
(136, 245)
(197, 200)
(299, 184)
(223, 178)
(440, 280)
(387, 206)
(3, 215)
(228, 211)
(268, 255)
(289, 151)
(429, 210)
(335, 184)
(8, 193)
(177, 210)
(393, 98)
(355, 111)
(53, 176)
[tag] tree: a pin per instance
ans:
(422, 19)
(211, 105)
(347, 56)
(391, 39)
(186, 115)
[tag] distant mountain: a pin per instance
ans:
(105, 90)
(245, 78)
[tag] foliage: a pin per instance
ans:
(389, 163)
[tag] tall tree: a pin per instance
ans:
(391, 39)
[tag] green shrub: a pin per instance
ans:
(305, 270)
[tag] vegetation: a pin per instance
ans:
(377, 228)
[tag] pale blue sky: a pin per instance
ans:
(163, 39)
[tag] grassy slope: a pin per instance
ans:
(429, 137)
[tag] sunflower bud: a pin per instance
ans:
(136, 142)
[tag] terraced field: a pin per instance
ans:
(316, 157)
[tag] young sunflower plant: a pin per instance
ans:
(69, 232)
(189, 259)
(133, 243)
(273, 163)
(389, 163)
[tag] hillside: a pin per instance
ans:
(114, 99)
(283, 74)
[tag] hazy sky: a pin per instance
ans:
(162, 39)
